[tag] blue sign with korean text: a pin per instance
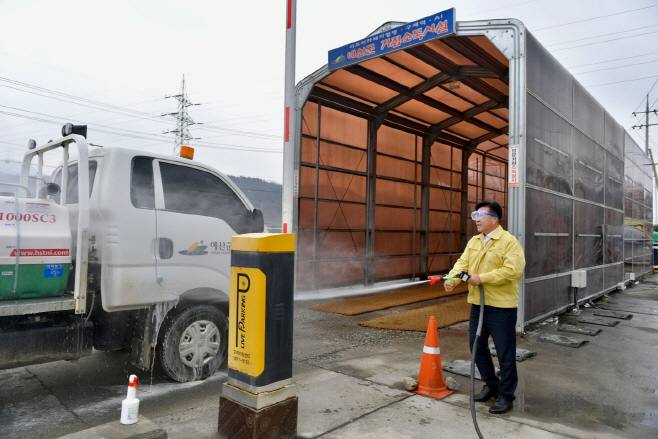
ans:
(54, 270)
(420, 31)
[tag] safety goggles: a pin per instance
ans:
(480, 214)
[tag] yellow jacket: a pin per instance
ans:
(500, 265)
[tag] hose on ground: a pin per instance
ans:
(475, 345)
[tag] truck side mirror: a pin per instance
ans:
(257, 222)
(49, 190)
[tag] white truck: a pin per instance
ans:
(133, 253)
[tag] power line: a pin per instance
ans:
(648, 93)
(262, 120)
(654, 102)
(605, 41)
(142, 136)
(626, 80)
(75, 98)
(502, 7)
(121, 110)
(604, 35)
(240, 133)
(151, 117)
(594, 18)
(237, 147)
(109, 107)
(611, 60)
(70, 120)
(257, 96)
(61, 94)
(27, 117)
(52, 94)
(618, 67)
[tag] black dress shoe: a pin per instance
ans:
(501, 406)
(486, 394)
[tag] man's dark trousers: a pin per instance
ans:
(500, 324)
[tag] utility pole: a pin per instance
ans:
(646, 125)
(646, 128)
(647, 150)
(183, 120)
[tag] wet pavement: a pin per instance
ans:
(349, 383)
(606, 388)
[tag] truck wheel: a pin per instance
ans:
(192, 343)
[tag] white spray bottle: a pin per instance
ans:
(130, 405)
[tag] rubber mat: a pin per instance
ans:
(579, 329)
(376, 302)
(521, 354)
(602, 322)
(562, 340)
(446, 314)
(463, 367)
(618, 315)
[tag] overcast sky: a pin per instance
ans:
(111, 63)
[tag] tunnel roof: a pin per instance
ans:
(454, 89)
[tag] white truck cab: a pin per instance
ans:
(150, 258)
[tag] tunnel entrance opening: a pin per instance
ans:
(395, 153)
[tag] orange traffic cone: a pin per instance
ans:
(430, 378)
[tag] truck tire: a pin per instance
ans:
(192, 343)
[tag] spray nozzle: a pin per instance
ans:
(132, 386)
(444, 278)
(448, 277)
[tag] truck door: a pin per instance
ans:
(197, 213)
(127, 231)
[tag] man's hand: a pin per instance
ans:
(448, 286)
(474, 280)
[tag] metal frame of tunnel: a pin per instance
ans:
(387, 113)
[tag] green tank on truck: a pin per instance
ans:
(122, 249)
(37, 242)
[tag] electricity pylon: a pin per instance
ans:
(183, 120)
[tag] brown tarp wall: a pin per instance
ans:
(363, 129)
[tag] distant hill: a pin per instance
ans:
(264, 195)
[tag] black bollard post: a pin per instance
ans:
(259, 400)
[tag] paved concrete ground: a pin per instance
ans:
(349, 382)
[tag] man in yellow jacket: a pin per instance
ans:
(495, 260)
